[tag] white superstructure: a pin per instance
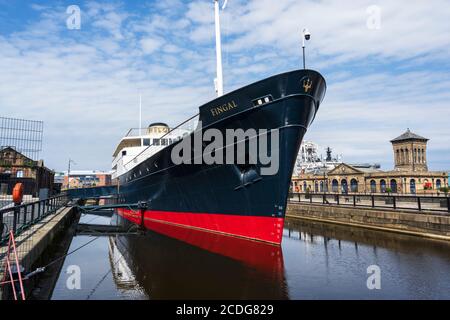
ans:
(140, 144)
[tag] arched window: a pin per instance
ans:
(407, 156)
(321, 186)
(316, 187)
(438, 184)
(382, 185)
(373, 186)
(19, 174)
(335, 186)
(304, 186)
(393, 186)
(354, 185)
(412, 186)
(402, 156)
(397, 159)
(344, 186)
(423, 156)
(415, 155)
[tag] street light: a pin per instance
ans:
(306, 35)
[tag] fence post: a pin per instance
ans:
(15, 219)
(337, 198)
(419, 205)
(323, 198)
(39, 209)
(32, 212)
(299, 197)
(373, 201)
(393, 202)
(448, 204)
(354, 200)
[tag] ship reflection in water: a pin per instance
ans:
(176, 262)
(316, 261)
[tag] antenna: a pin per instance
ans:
(219, 79)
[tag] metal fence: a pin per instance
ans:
(19, 218)
(439, 204)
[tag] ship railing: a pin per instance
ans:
(183, 128)
(413, 203)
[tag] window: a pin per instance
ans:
(146, 142)
(124, 152)
(412, 186)
(393, 186)
(344, 186)
(438, 184)
(334, 185)
(19, 174)
(164, 142)
(373, 186)
(354, 185)
(383, 186)
(156, 142)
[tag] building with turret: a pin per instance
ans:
(409, 176)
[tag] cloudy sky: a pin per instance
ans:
(387, 65)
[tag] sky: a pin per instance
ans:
(386, 63)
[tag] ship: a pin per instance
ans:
(232, 198)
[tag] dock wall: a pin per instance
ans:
(419, 224)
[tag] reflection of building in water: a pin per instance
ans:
(410, 174)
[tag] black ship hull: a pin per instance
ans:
(231, 199)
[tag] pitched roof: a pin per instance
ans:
(408, 135)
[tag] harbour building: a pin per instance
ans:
(409, 176)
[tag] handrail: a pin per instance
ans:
(386, 201)
(19, 217)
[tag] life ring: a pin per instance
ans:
(18, 193)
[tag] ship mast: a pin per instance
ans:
(218, 82)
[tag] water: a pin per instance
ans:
(316, 261)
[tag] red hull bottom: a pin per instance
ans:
(266, 229)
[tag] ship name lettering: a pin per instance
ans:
(223, 108)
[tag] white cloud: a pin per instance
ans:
(150, 45)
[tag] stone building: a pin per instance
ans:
(410, 174)
(86, 178)
(16, 167)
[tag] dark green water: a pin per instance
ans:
(316, 261)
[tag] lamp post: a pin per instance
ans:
(306, 35)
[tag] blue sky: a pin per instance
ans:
(382, 77)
